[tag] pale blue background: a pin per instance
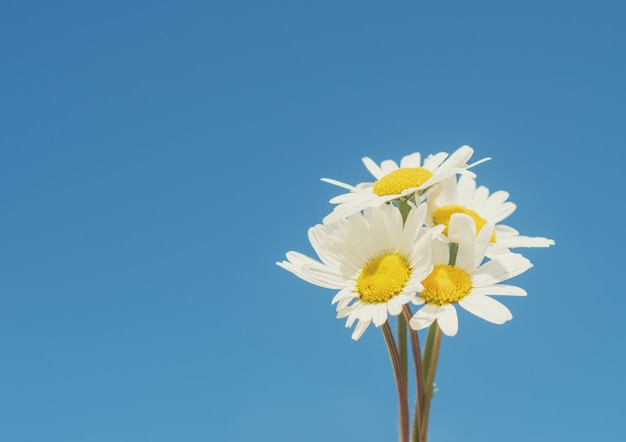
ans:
(157, 158)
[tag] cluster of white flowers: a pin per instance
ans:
(424, 234)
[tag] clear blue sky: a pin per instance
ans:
(158, 158)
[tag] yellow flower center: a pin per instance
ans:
(383, 278)
(446, 284)
(442, 216)
(398, 180)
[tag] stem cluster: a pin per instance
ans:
(424, 365)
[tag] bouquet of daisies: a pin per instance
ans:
(415, 243)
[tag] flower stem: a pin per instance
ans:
(431, 357)
(403, 405)
(402, 349)
(419, 377)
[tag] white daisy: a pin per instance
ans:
(469, 281)
(463, 196)
(375, 262)
(395, 182)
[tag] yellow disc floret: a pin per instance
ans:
(383, 278)
(398, 180)
(446, 284)
(442, 216)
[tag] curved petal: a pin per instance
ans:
(312, 271)
(462, 230)
(411, 160)
(448, 320)
(483, 241)
(466, 188)
(526, 241)
(441, 251)
(373, 168)
(360, 329)
(394, 306)
(424, 317)
(337, 183)
(500, 268)
(388, 166)
(502, 211)
(345, 293)
(379, 316)
(486, 308)
(433, 161)
(500, 289)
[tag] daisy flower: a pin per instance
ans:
(469, 281)
(375, 262)
(395, 182)
(463, 196)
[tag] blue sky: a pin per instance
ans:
(158, 158)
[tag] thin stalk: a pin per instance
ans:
(431, 357)
(403, 404)
(454, 248)
(402, 349)
(404, 208)
(419, 377)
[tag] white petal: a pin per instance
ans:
(415, 220)
(500, 289)
(486, 308)
(388, 166)
(440, 251)
(432, 162)
(498, 197)
(462, 228)
(462, 231)
(373, 167)
(447, 320)
(502, 212)
(483, 242)
(394, 306)
(349, 312)
(443, 195)
(360, 329)
(380, 314)
(424, 317)
(466, 188)
(525, 241)
(412, 160)
(476, 163)
(345, 293)
(503, 230)
(343, 303)
(500, 268)
(337, 183)
(312, 271)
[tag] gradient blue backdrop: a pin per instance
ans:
(157, 158)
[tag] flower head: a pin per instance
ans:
(395, 182)
(463, 196)
(375, 262)
(467, 281)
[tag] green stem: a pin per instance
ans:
(403, 403)
(402, 349)
(431, 357)
(419, 377)
(454, 248)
